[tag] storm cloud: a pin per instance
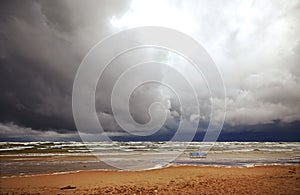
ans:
(255, 45)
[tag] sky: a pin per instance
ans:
(254, 44)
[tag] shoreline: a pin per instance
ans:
(269, 179)
(150, 169)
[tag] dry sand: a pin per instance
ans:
(172, 180)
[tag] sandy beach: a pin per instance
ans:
(171, 180)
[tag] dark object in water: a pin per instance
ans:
(68, 187)
(198, 154)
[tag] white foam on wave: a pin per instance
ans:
(16, 148)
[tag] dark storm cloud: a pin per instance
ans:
(35, 86)
(33, 97)
(276, 131)
(41, 46)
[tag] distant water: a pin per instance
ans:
(27, 158)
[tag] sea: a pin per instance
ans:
(34, 158)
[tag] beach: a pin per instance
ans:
(170, 180)
(148, 168)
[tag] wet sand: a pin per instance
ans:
(172, 180)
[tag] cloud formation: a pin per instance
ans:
(255, 44)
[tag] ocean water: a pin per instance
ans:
(29, 158)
